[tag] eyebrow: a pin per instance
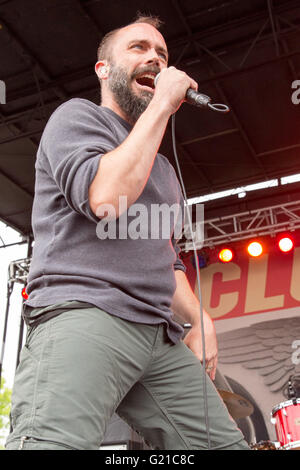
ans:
(146, 42)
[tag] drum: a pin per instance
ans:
(286, 418)
(264, 445)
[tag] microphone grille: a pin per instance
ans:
(156, 79)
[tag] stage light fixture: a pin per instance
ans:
(24, 293)
(286, 244)
(225, 255)
(203, 259)
(255, 249)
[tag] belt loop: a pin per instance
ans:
(23, 439)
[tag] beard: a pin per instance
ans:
(119, 83)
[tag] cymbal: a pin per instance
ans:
(238, 406)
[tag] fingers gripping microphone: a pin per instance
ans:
(200, 100)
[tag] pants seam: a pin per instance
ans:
(37, 440)
(153, 349)
(170, 420)
(33, 409)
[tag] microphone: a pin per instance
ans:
(199, 99)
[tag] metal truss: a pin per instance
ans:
(270, 21)
(245, 225)
(12, 244)
(271, 26)
(18, 271)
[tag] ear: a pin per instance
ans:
(102, 69)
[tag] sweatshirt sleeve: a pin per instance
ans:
(75, 138)
(178, 263)
(178, 229)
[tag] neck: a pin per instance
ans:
(109, 102)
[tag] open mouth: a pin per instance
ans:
(146, 81)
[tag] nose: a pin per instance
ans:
(152, 57)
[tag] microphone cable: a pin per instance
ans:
(219, 108)
(198, 282)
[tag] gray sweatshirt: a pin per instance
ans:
(132, 278)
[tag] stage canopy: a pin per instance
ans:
(242, 53)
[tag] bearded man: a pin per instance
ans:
(102, 337)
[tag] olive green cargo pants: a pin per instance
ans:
(80, 367)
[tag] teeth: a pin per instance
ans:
(147, 76)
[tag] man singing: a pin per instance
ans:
(102, 337)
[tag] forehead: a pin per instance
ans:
(141, 32)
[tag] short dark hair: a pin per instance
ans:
(104, 49)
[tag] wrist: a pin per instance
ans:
(196, 319)
(160, 107)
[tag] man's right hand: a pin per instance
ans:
(171, 88)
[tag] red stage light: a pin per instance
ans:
(255, 249)
(225, 255)
(24, 293)
(286, 244)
